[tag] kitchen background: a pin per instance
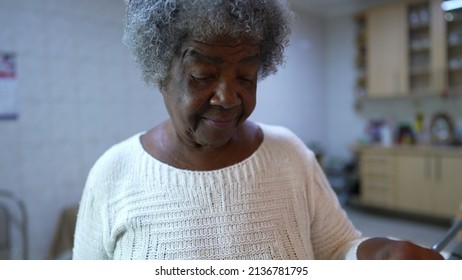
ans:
(78, 93)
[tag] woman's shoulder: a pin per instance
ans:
(285, 141)
(118, 156)
(277, 133)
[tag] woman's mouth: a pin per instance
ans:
(221, 123)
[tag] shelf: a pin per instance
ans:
(419, 47)
(420, 27)
(361, 56)
(454, 47)
(453, 20)
(458, 69)
(458, 45)
(417, 95)
(419, 71)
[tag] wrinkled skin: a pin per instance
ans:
(210, 93)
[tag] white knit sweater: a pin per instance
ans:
(276, 204)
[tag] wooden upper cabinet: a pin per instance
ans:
(407, 49)
(387, 53)
(427, 47)
(439, 53)
(453, 42)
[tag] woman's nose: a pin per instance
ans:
(226, 95)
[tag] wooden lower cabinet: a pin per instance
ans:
(414, 184)
(448, 192)
(415, 180)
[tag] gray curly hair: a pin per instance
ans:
(156, 29)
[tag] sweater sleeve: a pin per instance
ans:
(91, 225)
(332, 233)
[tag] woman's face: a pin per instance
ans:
(211, 89)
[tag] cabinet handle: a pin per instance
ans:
(437, 169)
(428, 169)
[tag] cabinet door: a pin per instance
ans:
(414, 183)
(448, 192)
(427, 47)
(438, 48)
(387, 45)
(454, 49)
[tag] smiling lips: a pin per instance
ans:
(221, 123)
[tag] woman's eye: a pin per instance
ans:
(201, 78)
(245, 80)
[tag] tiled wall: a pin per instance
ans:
(79, 92)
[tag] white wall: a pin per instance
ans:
(79, 93)
(343, 123)
(295, 96)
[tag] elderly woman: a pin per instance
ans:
(208, 183)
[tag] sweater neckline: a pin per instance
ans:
(238, 165)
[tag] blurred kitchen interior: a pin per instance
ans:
(348, 89)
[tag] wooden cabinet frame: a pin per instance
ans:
(391, 52)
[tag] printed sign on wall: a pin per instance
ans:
(8, 86)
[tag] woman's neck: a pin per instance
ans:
(163, 143)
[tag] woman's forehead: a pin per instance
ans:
(217, 52)
(222, 43)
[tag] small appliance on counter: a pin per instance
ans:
(442, 130)
(405, 135)
(379, 131)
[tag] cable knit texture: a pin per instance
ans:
(276, 204)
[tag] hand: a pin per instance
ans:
(386, 249)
